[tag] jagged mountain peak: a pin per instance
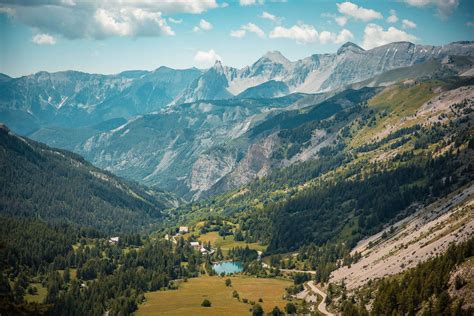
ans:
(349, 46)
(276, 57)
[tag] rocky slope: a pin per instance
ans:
(240, 133)
(316, 73)
(72, 98)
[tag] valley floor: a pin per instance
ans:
(188, 298)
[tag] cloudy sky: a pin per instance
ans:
(109, 36)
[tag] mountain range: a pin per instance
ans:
(200, 132)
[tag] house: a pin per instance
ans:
(195, 245)
(183, 229)
(113, 240)
(204, 251)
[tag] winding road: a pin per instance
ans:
(307, 296)
(322, 305)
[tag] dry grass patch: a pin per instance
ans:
(188, 298)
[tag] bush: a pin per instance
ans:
(290, 308)
(458, 282)
(206, 303)
(276, 312)
(257, 310)
(228, 282)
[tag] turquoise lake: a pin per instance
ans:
(228, 267)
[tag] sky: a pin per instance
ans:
(110, 36)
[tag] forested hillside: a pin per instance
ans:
(394, 149)
(58, 186)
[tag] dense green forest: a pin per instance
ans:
(108, 276)
(59, 186)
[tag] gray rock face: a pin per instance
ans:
(320, 72)
(186, 149)
(148, 126)
(72, 98)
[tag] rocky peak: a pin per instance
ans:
(349, 47)
(276, 57)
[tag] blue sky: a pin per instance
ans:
(109, 36)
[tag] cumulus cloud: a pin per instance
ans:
(271, 17)
(203, 26)
(407, 24)
(344, 35)
(304, 33)
(131, 22)
(43, 39)
(301, 33)
(352, 10)
(374, 35)
(251, 2)
(206, 58)
(238, 33)
(393, 17)
(444, 7)
(175, 21)
(249, 27)
(341, 20)
(102, 18)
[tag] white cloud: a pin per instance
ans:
(238, 33)
(131, 22)
(251, 2)
(302, 33)
(249, 27)
(203, 26)
(374, 35)
(445, 7)
(470, 24)
(407, 24)
(271, 17)
(341, 20)
(102, 18)
(43, 39)
(204, 57)
(175, 21)
(325, 37)
(359, 13)
(344, 35)
(393, 17)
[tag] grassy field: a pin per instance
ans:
(188, 298)
(38, 298)
(228, 243)
(398, 102)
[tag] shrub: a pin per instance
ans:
(206, 303)
(257, 310)
(290, 308)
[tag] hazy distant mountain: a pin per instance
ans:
(319, 72)
(72, 98)
(78, 99)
